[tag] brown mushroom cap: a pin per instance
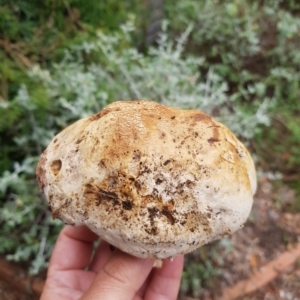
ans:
(152, 180)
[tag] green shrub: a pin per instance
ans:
(88, 77)
(247, 43)
(236, 60)
(196, 276)
(254, 47)
(202, 265)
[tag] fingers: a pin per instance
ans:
(73, 249)
(120, 278)
(165, 281)
(66, 277)
(141, 291)
(100, 257)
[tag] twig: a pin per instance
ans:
(260, 278)
(131, 82)
(42, 246)
(33, 124)
(288, 178)
(278, 120)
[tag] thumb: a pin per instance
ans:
(120, 278)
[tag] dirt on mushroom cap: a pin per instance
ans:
(152, 180)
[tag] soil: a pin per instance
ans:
(8, 292)
(284, 287)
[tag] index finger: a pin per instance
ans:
(73, 249)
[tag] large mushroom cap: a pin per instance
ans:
(152, 180)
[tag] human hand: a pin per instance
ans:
(110, 274)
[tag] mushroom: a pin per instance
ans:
(153, 181)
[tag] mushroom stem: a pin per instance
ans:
(158, 263)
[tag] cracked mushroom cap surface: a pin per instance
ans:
(154, 181)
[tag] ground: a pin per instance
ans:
(270, 231)
(8, 292)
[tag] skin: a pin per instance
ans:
(75, 273)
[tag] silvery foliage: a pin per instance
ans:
(164, 75)
(24, 208)
(77, 89)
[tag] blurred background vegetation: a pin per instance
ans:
(63, 60)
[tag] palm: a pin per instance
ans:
(70, 285)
